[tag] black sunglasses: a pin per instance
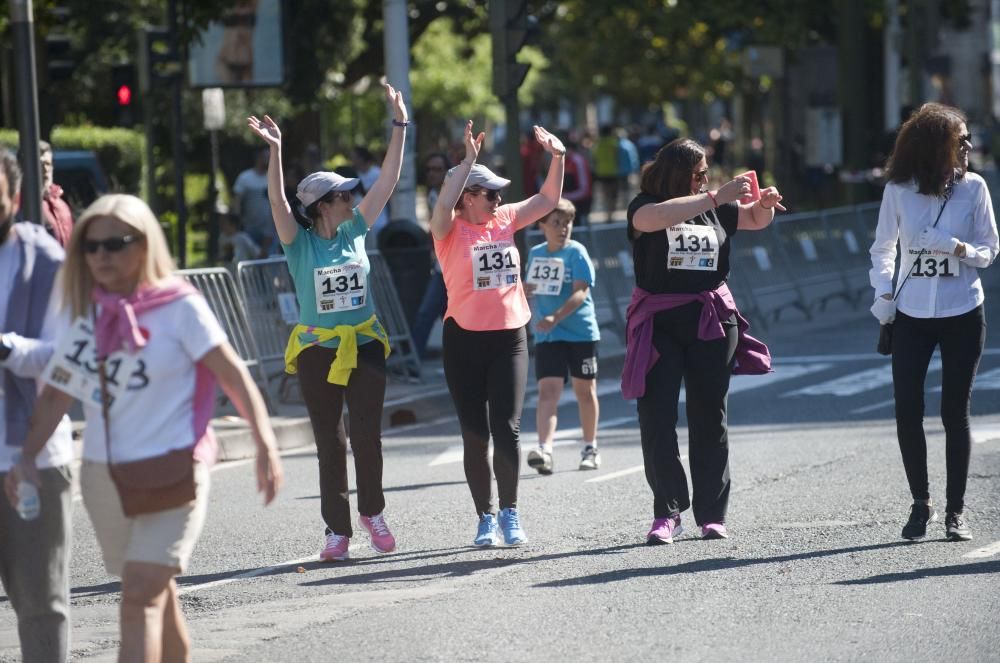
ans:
(111, 244)
(966, 137)
(491, 194)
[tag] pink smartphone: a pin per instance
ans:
(754, 187)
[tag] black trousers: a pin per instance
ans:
(704, 367)
(364, 395)
(487, 374)
(961, 340)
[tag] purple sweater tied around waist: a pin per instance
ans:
(752, 356)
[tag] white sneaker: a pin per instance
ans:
(590, 459)
(541, 460)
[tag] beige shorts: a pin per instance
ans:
(166, 538)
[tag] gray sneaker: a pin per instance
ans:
(590, 459)
(541, 460)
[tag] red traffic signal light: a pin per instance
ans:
(124, 95)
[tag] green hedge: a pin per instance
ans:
(120, 152)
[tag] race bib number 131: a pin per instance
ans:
(495, 265)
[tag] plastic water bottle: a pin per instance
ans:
(29, 505)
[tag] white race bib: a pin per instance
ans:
(692, 247)
(495, 265)
(73, 367)
(930, 265)
(340, 288)
(547, 274)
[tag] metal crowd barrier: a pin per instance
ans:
(272, 310)
(224, 298)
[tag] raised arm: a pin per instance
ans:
(281, 212)
(543, 202)
(443, 216)
(377, 197)
(660, 216)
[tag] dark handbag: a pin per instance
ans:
(885, 339)
(153, 484)
(884, 346)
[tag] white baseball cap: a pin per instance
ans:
(480, 175)
(316, 185)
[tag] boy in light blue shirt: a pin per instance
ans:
(560, 276)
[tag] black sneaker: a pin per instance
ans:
(916, 526)
(956, 529)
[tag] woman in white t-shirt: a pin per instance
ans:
(162, 349)
(942, 218)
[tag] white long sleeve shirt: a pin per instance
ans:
(904, 214)
(28, 359)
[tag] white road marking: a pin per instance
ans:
(566, 437)
(988, 381)
(740, 383)
(788, 359)
(621, 473)
(873, 406)
(985, 434)
(614, 475)
(855, 383)
(187, 589)
(985, 551)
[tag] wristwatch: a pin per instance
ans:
(5, 347)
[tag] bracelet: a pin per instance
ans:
(398, 123)
(715, 203)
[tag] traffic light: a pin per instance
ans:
(157, 57)
(511, 27)
(123, 86)
(59, 62)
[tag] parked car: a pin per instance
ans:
(80, 175)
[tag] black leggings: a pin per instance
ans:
(961, 340)
(365, 394)
(487, 374)
(704, 367)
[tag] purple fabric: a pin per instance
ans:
(752, 356)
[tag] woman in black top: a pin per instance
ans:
(683, 326)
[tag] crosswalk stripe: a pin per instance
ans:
(614, 475)
(854, 383)
(621, 473)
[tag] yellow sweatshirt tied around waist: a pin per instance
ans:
(347, 352)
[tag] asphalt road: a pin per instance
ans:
(814, 568)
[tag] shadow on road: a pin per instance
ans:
(703, 565)
(974, 568)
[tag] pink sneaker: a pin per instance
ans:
(664, 530)
(382, 539)
(714, 531)
(335, 549)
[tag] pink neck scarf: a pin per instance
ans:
(117, 324)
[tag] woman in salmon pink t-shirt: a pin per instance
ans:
(485, 342)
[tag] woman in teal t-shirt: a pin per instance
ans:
(339, 347)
